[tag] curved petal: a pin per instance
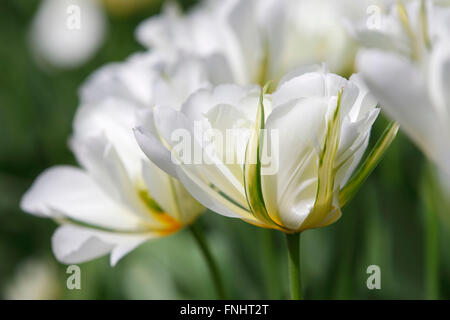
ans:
(200, 102)
(149, 140)
(439, 78)
(246, 39)
(179, 80)
(114, 119)
(68, 192)
(170, 194)
(401, 91)
(290, 193)
(100, 158)
(73, 244)
(211, 198)
(171, 123)
(130, 80)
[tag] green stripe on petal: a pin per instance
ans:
(252, 167)
(149, 202)
(369, 164)
(424, 23)
(326, 173)
(404, 19)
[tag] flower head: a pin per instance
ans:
(118, 198)
(277, 160)
(260, 40)
(407, 68)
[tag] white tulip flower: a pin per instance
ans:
(67, 33)
(407, 67)
(311, 134)
(260, 39)
(118, 198)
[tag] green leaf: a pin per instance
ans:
(369, 164)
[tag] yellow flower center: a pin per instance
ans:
(170, 224)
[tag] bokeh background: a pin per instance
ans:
(384, 225)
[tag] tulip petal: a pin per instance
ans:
(289, 194)
(201, 181)
(212, 169)
(149, 140)
(114, 119)
(247, 42)
(128, 81)
(326, 175)
(170, 194)
(439, 78)
(252, 167)
(73, 244)
(401, 91)
(211, 198)
(103, 163)
(68, 192)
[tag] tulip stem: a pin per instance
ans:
(431, 237)
(432, 255)
(293, 248)
(199, 236)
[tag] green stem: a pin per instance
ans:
(431, 239)
(293, 246)
(197, 232)
(268, 250)
(432, 256)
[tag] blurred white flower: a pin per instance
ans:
(260, 39)
(118, 199)
(407, 68)
(323, 122)
(67, 33)
(35, 279)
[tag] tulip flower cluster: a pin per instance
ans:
(232, 108)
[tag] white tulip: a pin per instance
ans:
(117, 199)
(407, 67)
(260, 39)
(67, 33)
(322, 122)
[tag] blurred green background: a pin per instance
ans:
(383, 225)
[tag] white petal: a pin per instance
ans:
(73, 244)
(248, 42)
(170, 194)
(103, 163)
(290, 193)
(189, 207)
(199, 103)
(69, 192)
(307, 85)
(114, 119)
(210, 168)
(439, 78)
(179, 81)
(158, 30)
(211, 198)
(149, 140)
(130, 80)
(168, 121)
(401, 91)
